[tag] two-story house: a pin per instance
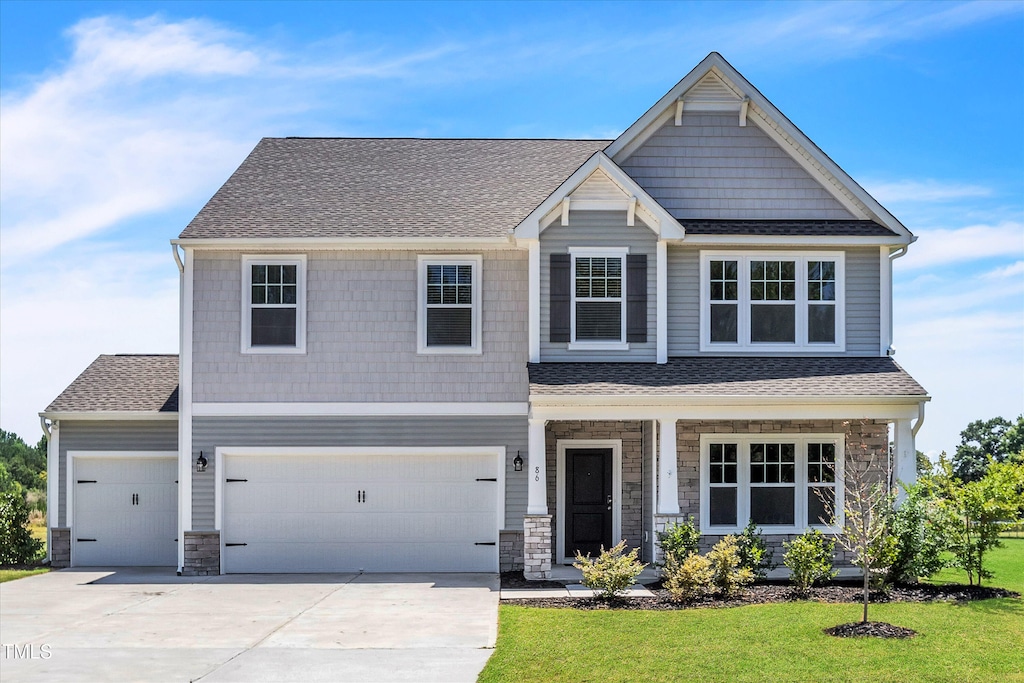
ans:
(473, 355)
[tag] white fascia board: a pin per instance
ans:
(664, 109)
(356, 409)
(782, 241)
(137, 416)
(667, 227)
(315, 243)
(719, 400)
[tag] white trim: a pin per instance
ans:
(355, 409)
(668, 462)
(300, 263)
(69, 482)
(52, 485)
(885, 301)
(184, 415)
(500, 453)
(660, 221)
(772, 241)
(476, 262)
(604, 344)
(618, 408)
(800, 303)
(135, 415)
(596, 345)
(353, 243)
(600, 251)
(534, 294)
(537, 469)
(661, 288)
(905, 455)
(561, 445)
(800, 485)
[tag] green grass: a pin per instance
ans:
(12, 574)
(979, 641)
(1006, 565)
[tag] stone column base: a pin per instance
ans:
(202, 553)
(537, 547)
(60, 547)
(510, 556)
(662, 522)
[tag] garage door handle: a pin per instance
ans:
(232, 545)
(86, 481)
(487, 543)
(487, 479)
(231, 480)
(86, 540)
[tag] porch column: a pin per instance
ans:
(537, 521)
(668, 483)
(905, 457)
(537, 503)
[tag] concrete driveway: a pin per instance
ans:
(150, 625)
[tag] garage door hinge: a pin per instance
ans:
(487, 479)
(231, 545)
(231, 480)
(488, 543)
(86, 481)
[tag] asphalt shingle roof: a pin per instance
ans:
(785, 227)
(123, 383)
(717, 376)
(387, 187)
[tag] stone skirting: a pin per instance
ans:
(537, 547)
(510, 557)
(60, 547)
(202, 553)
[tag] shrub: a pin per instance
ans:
(917, 528)
(754, 552)
(612, 572)
(809, 559)
(688, 579)
(17, 546)
(679, 540)
(729, 574)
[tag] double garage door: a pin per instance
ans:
(389, 511)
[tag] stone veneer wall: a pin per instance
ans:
(202, 553)
(60, 547)
(864, 439)
(632, 436)
(537, 547)
(510, 552)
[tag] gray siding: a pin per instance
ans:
(123, 435)
(710, 167)
(863, 309)
(361, 335)
(598, 229)
(209, 433)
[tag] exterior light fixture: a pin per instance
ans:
(201, 463)
(517, 464)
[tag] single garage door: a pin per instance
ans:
(390, 512)
(125, 511)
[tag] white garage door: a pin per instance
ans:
(394, 512)
(125, 511)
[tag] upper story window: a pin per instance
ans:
(785, 483)
(772, 302)
(599, 301)
(274, 304)
(449, 296)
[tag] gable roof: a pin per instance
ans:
(387, 187)
(714, 83)
(122, 383)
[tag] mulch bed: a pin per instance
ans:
(763, 594)
(870, 629)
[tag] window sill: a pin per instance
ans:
(449, 351)
(769, 530)
(598, 346)
(274, 350)
(771, 349)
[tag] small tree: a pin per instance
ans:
(917, 526)
(17, 545)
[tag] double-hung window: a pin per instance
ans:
(449, 304)
(598, 298)
(784, 483)
(772, 302)
(273, 304)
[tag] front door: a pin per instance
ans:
(588, 511)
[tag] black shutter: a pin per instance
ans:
(636, 298)
(560, 298)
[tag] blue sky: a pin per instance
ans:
(119, 120)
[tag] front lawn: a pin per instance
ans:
(979, 641)
(12, 574)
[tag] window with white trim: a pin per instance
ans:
(769, 301)
(599, 297)
(274, 304)
(449, 304)
(784, 483)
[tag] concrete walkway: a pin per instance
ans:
(150, 625)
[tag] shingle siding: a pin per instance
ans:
(361, 335)
(710, 167)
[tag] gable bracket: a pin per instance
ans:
(631, 212)
(679, 111)
(565, 211)
(743, 111)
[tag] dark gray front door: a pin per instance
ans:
(588, 496)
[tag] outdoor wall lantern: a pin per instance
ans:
(517, 464)
(201, 463)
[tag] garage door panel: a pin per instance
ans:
(399, 512)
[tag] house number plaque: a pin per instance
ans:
(536, 473)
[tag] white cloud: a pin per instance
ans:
(1013, 270)
(970, 243)
(924, 191)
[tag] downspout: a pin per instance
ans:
(890, 351)
(177, 258)
(920, 421)
(52, 481)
